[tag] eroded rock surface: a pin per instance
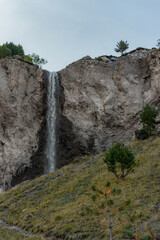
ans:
(22, 110)
(103, 99)
(100, 103)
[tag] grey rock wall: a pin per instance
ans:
(103, 99)
(100, 102)
(22, 114)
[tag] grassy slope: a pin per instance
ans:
(55, 204)
(10, 234)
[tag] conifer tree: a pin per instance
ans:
(148, 119)
(158, 43)
(122, 46)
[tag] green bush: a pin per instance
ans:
(140, 48)
(141, 134)
(15, 49)
(10, 49)
(37, 60)
(99, 59)
(28, 59)
(148, 119)
(4, 51)
(120, 160)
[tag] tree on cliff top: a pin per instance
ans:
(15, 49)
(122, 46)
(158, 43)
(11, 49)
(4, 51)
(37, 60)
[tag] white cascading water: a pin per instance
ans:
(52, 115)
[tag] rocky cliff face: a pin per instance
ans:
(100, 103)
(22, 114)
(102, 99)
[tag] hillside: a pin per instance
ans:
(54, 205)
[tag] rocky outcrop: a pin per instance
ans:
(22, 120)
(100, 102)
(102, 99)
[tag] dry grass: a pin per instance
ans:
(10, 234)
(55, 204)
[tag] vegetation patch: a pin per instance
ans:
(10, 234)
(55, 204)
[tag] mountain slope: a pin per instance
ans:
(55, 204)
(12, 234)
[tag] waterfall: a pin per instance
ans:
(52, 117)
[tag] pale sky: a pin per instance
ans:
(63, 31)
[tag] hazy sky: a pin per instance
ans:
(62, 31)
